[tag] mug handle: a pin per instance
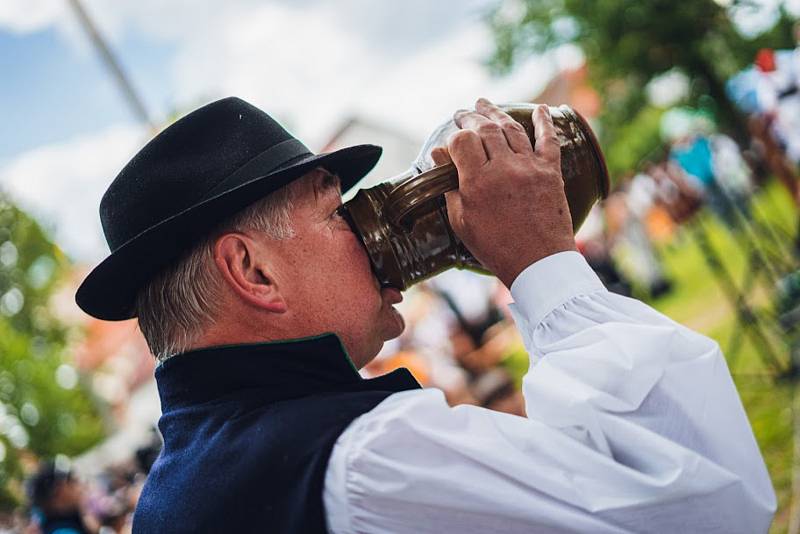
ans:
(418, 191)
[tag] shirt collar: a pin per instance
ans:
(279, 370)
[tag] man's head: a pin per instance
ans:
(285, 267)
(223, 229)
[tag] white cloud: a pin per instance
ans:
(61, 185)
(312, 63)
(310, 69)
(28, 16)
(24, 16)
(424, 90)
(294, 63)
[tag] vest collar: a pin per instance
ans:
(278, 370)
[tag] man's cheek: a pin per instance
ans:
(359, 253)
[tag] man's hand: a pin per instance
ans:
(510, 209)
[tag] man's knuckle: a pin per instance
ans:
(512, 125)
(552, 140)
(462, 137)
(489, 128)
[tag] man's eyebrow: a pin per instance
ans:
(329, 181)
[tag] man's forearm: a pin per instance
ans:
(652, 396)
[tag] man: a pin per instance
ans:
(259, 301)
(56, 498)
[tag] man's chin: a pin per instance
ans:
(396, 324)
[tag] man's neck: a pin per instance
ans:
(242, 331)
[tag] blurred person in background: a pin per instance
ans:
(779, 97)
(766, 156)
(732, 173)
(627, 210)
(478, 340)
(259, 301)
(57, 502)
(676, 195)
(594, 241)
(714, 164)
(777, 125)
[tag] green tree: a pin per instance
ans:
(627, 43)
(45, 409)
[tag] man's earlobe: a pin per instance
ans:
(240, 262)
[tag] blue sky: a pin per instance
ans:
(57, 91)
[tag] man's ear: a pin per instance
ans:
(240, 260)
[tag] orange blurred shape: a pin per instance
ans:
(404, 358)
(659, 224)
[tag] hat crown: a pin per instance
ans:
(183, 164)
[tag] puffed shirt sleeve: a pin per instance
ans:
(633, 425)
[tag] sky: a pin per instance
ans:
(312, 64)
(66, 130)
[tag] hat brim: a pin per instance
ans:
(110, 289)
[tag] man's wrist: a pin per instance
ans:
(552, 281)
(509, 275)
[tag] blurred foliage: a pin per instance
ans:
(44, 408)
(699, 302)
(635, 140)
(628, 43)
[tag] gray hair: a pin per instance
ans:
(175, 306)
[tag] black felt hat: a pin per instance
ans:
(202, 169)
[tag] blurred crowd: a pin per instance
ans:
(768, 94)
(61, 501)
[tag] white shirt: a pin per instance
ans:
(634, 425)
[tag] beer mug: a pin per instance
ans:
(403, 222)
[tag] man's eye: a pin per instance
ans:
(340, 217)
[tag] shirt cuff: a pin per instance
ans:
(550, 282)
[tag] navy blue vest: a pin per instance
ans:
(248, 431)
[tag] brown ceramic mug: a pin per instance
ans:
(403, 222)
